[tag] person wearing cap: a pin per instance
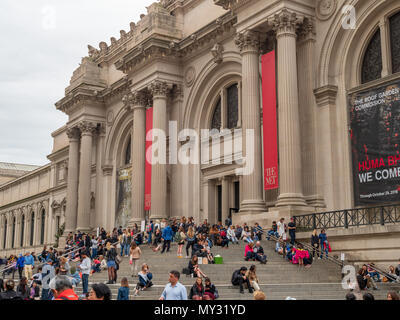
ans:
(28, 265)
(239, 277)
(20, 265)
(48, 273)
(85, 266)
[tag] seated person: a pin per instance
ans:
(138, 238)
(239, 277)
(37, 277)
(145, 277)
(392, 276)
(199, 250)
(210, 291)
(300, 255)
(238, 231)
(373, 273)
(273, 231)
(291, 252)
(249, 252)
(197, 290)
(258, 231)
(246, 235)
(224, 239)
(96, 266)
(258, 253)
(279, 248)
(194, 268)
(231, 235)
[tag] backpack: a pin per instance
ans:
(186, 271)
(397, 271)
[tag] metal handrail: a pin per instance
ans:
(382, 273)
(308, 247)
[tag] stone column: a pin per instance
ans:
(225, 199)
(159, 90)
(72, 184)
(137, 101)
(2, 217)
(9, 229)
(248, 43)
(99, 176)
(290, 170)
(307, 106)
(85, 171)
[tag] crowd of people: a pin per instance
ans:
(56, 275)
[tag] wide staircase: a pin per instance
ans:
(278, 278)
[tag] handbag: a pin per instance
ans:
(329, 247)
(130, 261)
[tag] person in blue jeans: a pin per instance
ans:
(323, 240)
(167, 235)
(150, 232)
(85, 267)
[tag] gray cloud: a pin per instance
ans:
(42, 44)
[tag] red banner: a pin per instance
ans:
(270, 134)
(147, 186)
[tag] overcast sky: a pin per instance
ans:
(42, 43)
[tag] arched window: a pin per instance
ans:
(21, 243)
(226, 114)
(5, 234)
(372, 62)
(128, 153)
(43, 220)
(32, 227)
(233, 106)
(13, 233)
(394, 23)
(216, 119)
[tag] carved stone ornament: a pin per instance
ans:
(73, 133)
(325, 9)
(286, 22)
(248, 40)
(190, 76)
(110, 118)
(87, 127)
(158, 88)
(217, 52)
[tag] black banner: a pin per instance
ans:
(375, 139)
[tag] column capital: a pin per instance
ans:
(248, 41)
(159, 89)
(286, 23)
(87, 127)
(307, 30)
(73, 134)
(135, 99)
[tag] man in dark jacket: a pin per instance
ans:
(10, 294)
(238, 278)
(259, 253)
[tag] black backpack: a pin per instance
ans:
(397, 271)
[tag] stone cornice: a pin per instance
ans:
(58, 154)
(78, 97)
(231, 4)
(117, 89)
(29, 175)
(29, 203)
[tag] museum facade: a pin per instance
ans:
(197, 64)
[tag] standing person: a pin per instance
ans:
(174, 290)
(95, 244)
(281, 228)
(150, 228)
(324, 244)
(111, 265)
(167, 236)
(20, 265)
(191, 240)
(29, 263)
(123, 291)
(292, 230)
(135, 254)
(48, 273)
(85, 267)
(180, 240)
(315, 242)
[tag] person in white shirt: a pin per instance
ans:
(281, 227)
(85, 266)
(231, 235)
